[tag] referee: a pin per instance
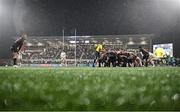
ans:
(99, 48)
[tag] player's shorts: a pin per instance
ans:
(97, 55)
(130, 61)
(63, 59)
(112, 58)
(15, 55)
(146, 56)
(19, 56)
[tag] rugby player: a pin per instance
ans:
(111, 58)
(152, 59)
(145, 54)
(98, 51)
(17, 48)
(63, 58)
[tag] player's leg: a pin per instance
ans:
(114, 61)
(95, 59)
(19, 59)
(146, 60)
(125, 61)
(61, 61)
(65, 61)
(15, 56)
(152, 62)
(139, 61)
(14, 61)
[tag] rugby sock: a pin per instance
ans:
(146, 63)
(15, 61)
(94, 62)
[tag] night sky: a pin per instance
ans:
(90, 17)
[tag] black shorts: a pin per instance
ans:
(112, 58)
(130, 61)
(97, 55)
(145, 57)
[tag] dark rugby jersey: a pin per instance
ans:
(144, 52)
(125, 54)
(16, 47)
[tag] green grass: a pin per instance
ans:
(90, 88)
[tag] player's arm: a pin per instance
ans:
(103, 49)
(20, 48)
(23, 48)
(146, 51)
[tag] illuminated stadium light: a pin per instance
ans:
(143, 42)
(86, 36)
(39, 44)
(72, 42)
(130, 42)
(80, 36)
(87, 41)
(72, 36)
(118, 41)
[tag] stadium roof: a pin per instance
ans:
(96, 37)
(137, 39)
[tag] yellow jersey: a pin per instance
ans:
(99, 48)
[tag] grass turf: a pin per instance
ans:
(90, 88)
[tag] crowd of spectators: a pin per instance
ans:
(48, 52)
